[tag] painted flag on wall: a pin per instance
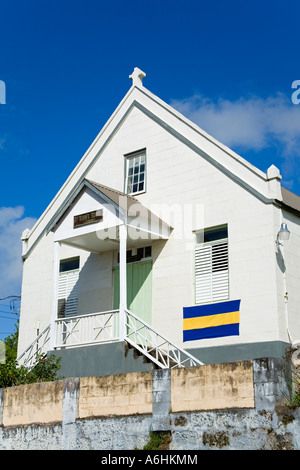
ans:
(211, 321)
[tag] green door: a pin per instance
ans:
(139, 289)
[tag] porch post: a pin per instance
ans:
(54, 293)
(123, 280)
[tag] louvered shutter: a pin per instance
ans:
(211, 271)
(68, 294)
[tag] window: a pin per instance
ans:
(211, 265)
(141, 253)
(135, 173)
(69, 264)
(68, 287)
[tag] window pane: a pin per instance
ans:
(148, 251)
(215, 234)
(68, 264)
(135, 173)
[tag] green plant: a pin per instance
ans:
(11, 344)
(45, 369)
(294, 400)
(159, 440)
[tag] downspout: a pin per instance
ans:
(274, 184)
(286, 299)
(280, 248)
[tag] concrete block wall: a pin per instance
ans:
(115, 395)
(230, 406)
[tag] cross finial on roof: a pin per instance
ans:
(137, 77)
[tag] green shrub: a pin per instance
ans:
(44, 370)
(159, 440)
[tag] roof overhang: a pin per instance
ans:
(290, 201)
(98, 233)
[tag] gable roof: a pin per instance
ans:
(227, 161)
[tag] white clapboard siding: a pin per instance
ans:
(211, 271)
(68, 291)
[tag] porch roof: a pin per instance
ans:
(101, 237)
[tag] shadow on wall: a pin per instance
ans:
(280, 260)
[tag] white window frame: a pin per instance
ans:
(130, 162)
(67, 297)
(211, 268)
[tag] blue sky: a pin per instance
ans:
(227, 65)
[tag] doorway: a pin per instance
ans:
(139, 289)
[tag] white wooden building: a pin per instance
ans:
(164, 239)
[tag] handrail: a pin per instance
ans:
(39, 349)
(91, 328)
(150, 342)
(103, 327)
(85, 315)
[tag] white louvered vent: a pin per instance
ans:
(211, 271)
(68, 294)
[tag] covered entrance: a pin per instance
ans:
(98, 219)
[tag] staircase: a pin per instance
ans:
(154, 346)
(138, 334)
(38, 347)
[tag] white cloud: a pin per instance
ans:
(12, 224)
(251, 123)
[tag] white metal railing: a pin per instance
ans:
(155, 346)
(103, 327)
(38, 347)
(91, 328)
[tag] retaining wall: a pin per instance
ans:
(230, 406)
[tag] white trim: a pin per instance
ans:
(123, 279)
(56, 261)
(131, 156)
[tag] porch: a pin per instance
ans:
(103, 328)
(97, 219)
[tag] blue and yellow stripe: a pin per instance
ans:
(211, 321)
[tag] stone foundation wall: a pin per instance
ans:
(230, 406)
